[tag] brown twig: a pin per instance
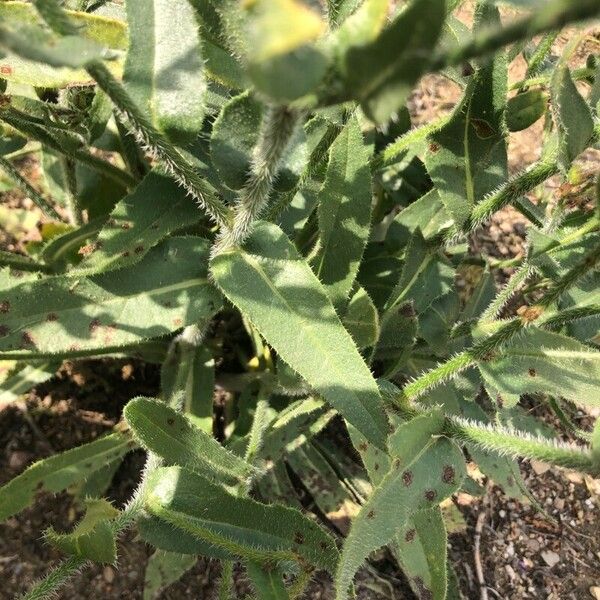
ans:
(483, 592)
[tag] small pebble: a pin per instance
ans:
(108, 574)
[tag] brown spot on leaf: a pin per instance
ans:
(483, 129)
(51, 317)
(170, 421)
(448, 474)
(529, 314)
(407, 477)
(467, 70)
(407, 310)
(4, 330)
(27, 339)
(94, 324)
(430, 495)
(125, 225)
(88, 249)
(177, 322)
(298, 538)
(138, 249)
(433, 147)
(376, 466)
(363, 446)
(4, 306)
(532, 372)
(370, 514)
(323, 545)
(410, 535)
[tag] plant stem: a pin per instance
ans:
(149, 138)
(226, 582)
(277, 130)
(418, 134)
(505, 331)
(514, 443)
(518, 278)
(555, 15)
(259, 426)
(317, 156)
(576, 74)
(70, 178)
(55, 579)
(21, 263)
(44, 205)
(541, 52)
(32, 130)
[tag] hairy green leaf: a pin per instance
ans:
(467, 157)
(285, 63)
(164, 68)
(58, 472)
(188, 380)
(276, 289)
(235, 133)
(361, 319)
(92, 538)
(31, 44)
(528, 365)
(172, 436)
(423, 482)
(572, 115)
(242, 526)
(344, 213)
(524, 109)
(156, 208)
(267, 582)
(293, 427)
(165, 291)
(318, 477)
(420, 547)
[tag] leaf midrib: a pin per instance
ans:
(254, 263)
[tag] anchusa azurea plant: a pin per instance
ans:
(234, 190)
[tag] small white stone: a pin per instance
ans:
(550, 558)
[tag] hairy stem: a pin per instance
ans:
(32, 130)
(226, 582)
(516, 444)
(59, 576)
(540, 54)
(70, 178)
(555, 15)
(277, 130)
(51, 583)
(44, 205)
(317, 156)
(518, 278)
(505, 331)
(151, 140)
